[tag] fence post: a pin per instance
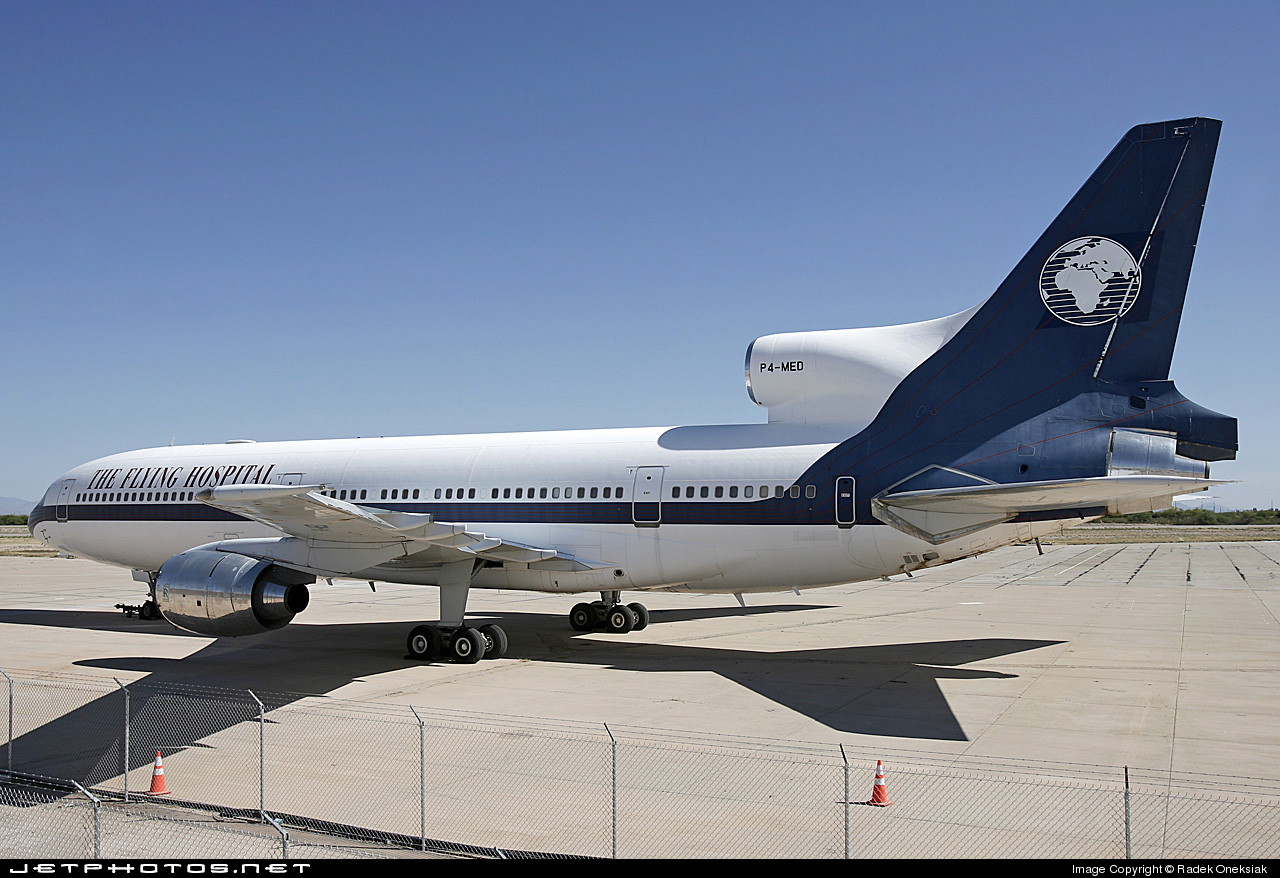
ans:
(845, 757)
(8, 747)
(613, 747)
(1128, 818)
(284, 835)
(422, 776)
(262, 758)
(124, 763)
(97, 821)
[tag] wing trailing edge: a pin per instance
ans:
(333, 537)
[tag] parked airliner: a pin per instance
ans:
(886, 450)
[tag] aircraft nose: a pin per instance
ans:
(31, 521)
(42, 512)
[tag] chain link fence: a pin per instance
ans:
(270, 775)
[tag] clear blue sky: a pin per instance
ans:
(308, 220)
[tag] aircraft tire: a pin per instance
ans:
(495, 641)
(621, 619)
(642, 616)
(425, 643)
(149, 611)
(468, 646)
(582, 617)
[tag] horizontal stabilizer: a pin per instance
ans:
(947, 513)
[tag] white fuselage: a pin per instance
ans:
(573, 490)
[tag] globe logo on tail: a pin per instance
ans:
(1090, 281)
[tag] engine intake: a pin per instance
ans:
(222, 594)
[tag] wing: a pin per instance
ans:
(333, 537)
(946, 513)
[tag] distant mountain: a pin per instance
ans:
(14, 506)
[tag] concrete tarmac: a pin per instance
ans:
(1162, 657)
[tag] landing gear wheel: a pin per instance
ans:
(582, 617)
(642, 616)
(425, 643)
(468, 646)
(620, 620)
(495, 641)
(149, 611)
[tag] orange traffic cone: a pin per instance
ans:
(879, 794)
(157, 778)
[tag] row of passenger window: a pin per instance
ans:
(135, 496)
(581, 493)
(748, 491)
(594, 493)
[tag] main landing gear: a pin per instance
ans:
(464, 645)
(609, 614)
(453, 638)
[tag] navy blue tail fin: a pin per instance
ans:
(1074, 344)
(1105, 283)
(1148, 197)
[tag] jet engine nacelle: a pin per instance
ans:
(222, 594)
(840, 376)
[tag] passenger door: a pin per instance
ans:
(646, 496)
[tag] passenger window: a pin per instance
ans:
(362, 493)
(617, 492)
(542, 493)
(675, 492)
(439, 493)
(493, 494)
(594, 493)
(733, 491)
(415, 494)
(795, 492)
(688, 492)
(719, 491)
(384, 493)
(519, 492)
(471, 493)
(506, 493)
(749, 491)
(555, 493)
(704, 492)
(607, 492)
(810, 492)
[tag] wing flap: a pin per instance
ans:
(329, 536)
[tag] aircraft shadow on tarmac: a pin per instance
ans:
(885, 690)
